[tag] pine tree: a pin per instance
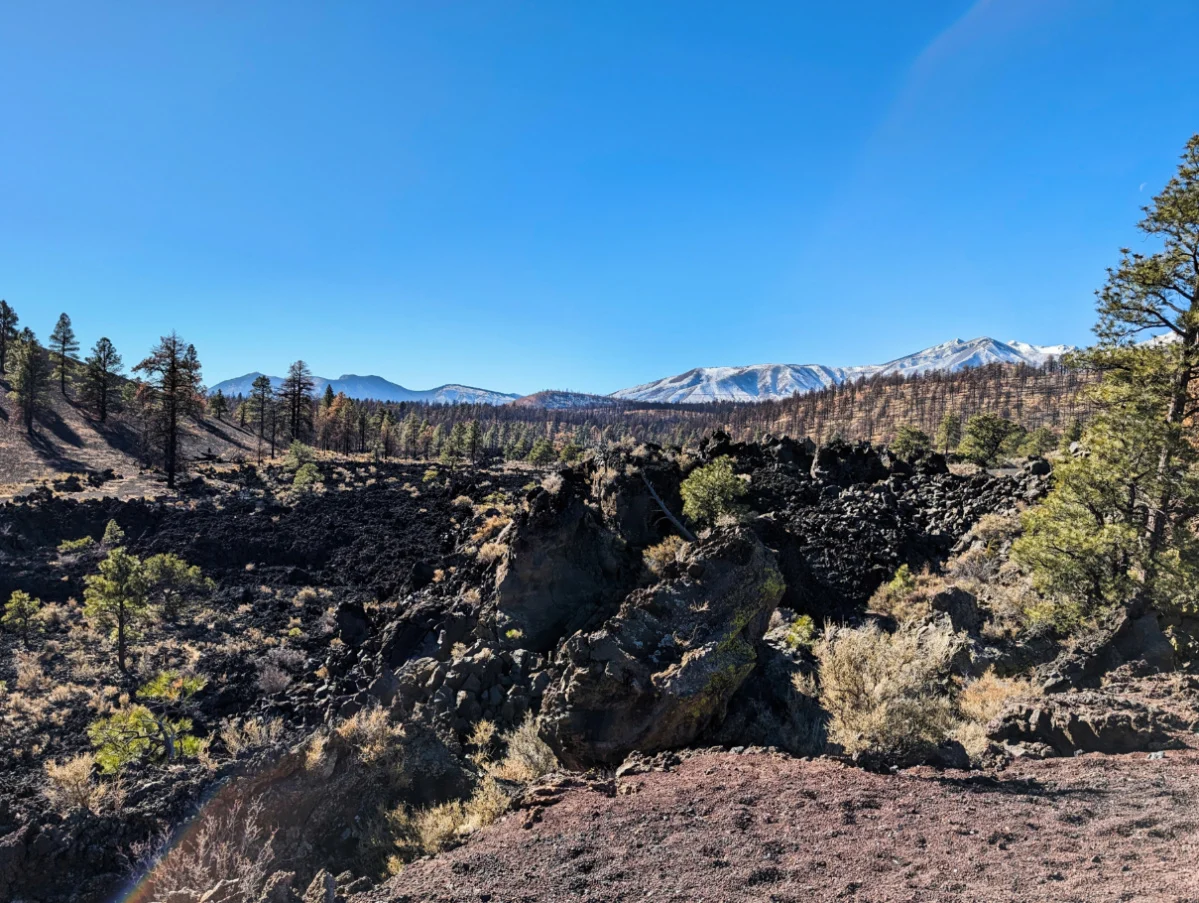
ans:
(8, 334)
(1120, 522)
(327, 399)
(20, 615)
(173, 376)
(410, 434)
(219, 405)
(31, 371)
(984, 438)
(116, 599)
(63, 344)
(473, 441)
(103, 377)
(296, 395)
(260, 403)
(949, 432)
(909, 442)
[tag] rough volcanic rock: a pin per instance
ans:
(845, 464)
(1084, 722)
(663, 669)
(960, 606)
(562, 568)
(771, 710)
(620, 487)
(1124, 638)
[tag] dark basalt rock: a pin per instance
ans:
(844, 464)
(563, 568)
(1124, 638)
(663, 669)
(353, 623)
(770, 710)
(1084, 722)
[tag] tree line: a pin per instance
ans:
(165, 392)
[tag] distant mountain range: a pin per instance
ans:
(378, 388)
(758, 382)
(764, 381)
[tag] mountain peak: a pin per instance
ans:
(768, 381)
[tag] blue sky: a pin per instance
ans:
(578, 195)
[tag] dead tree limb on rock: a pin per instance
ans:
(687, 534)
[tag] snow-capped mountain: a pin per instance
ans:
(765, 381)
(376, 388)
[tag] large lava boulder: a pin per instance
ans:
(663, 669)
(562, 568)
(1084, 722)
(847, 464)
(624, 485)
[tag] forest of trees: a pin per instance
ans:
(1048, 399)
(164, 390)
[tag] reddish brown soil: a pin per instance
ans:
(761, 827)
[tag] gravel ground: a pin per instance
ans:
(764, 827)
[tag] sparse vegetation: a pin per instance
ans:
(21, 616)
(658, 557)
(887, 693)
(712, 491)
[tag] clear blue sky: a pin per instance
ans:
(578, 195)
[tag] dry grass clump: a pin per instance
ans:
(887, 693)
(371, 733)
(491, 551)
(658, 557)
(986, 697)
(251, 733)
(272, 679)
(30, 676)
(307, 596)
(428, 831)
(906, 597)
(527, 756)
(233, 844)
(72, 785)
(55, 615)
(490, 527)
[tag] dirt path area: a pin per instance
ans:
(760, 827)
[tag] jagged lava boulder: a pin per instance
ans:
(562, 567)
(663, 669)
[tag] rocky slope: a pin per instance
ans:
(395, 611)
(765, 827)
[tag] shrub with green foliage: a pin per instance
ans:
(138, 733)
(984, 438)
(20, 615)
(76, 546)
(113, 535)
(910, 442)
(298, 454)
(174, 585)
(306, 475)
(125, 591)
(711, 492)
(1039, 442)
(801, 634)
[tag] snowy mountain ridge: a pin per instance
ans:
(376, 388)
(759, 382)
